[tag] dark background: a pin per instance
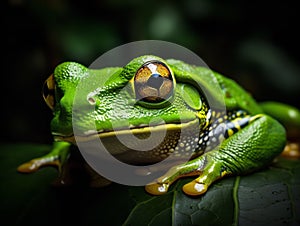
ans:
(254, 43)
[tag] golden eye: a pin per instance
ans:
(153, 82)
(48, 91)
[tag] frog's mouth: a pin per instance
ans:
(139, 130)
(138, 146)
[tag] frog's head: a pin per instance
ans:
(148, 94)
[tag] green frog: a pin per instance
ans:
(227, 131)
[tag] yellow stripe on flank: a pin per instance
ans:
(253, 118)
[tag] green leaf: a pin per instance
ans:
(267, 197)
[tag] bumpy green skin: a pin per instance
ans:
(111, 95)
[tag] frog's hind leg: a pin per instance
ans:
(244, 151)
(56, 157)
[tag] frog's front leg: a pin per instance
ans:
(56, 157)
(247, 150)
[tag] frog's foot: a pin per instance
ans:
(206, 168)
(291, 150)
(200, 185)
(35, 164)
(56, 158)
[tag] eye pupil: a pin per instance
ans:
(155, 81)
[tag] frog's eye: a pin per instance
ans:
(48, 91)
(153, 82)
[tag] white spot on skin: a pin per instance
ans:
(181, 145)
(199, 187)
(143, 125)
(208, 116)
(89, 132)
(161, 189)
(211, 169)
(188, 148)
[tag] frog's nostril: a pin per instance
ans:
(48, 91)
(92, 100)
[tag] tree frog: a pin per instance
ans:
(238, 139)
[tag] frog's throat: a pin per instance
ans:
(135, 131)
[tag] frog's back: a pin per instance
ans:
(236, 97)
(232, 94)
